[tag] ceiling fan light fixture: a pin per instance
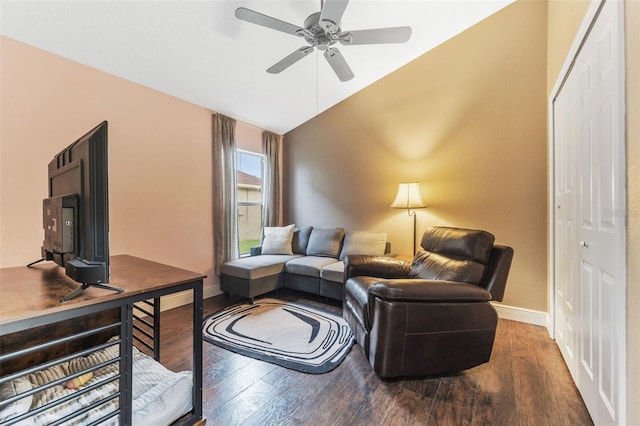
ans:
(323, 43)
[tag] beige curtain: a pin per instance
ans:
(225, 208)
(271, 179)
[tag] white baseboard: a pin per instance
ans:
(184, 298)
(528, 316)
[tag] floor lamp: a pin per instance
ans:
(408, 197)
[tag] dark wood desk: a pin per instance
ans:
(30, 298)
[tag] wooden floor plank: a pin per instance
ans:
(281, 409)
(407, 408)
(378, 408)
(427, 386)
(525, 383)
(495, 398)
(293, 396)
(239, 408)
(351, 385)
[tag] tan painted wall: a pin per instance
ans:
(468, 121)
(159, 158)
(563, 20)
(248, 137)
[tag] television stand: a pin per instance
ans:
(36, 330)
(83, 287)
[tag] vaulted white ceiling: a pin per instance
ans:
(200, 52)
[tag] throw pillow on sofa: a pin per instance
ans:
(325, 242)
(364, 242)
(277, 239)
(301, 239)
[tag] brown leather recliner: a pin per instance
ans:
(432, 316)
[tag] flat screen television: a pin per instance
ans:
(75, 215)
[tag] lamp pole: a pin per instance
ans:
(409, 197)
(413, 213)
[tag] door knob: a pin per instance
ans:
(584, 244)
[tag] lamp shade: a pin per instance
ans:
(408, 196)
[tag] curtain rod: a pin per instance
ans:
(210, 111)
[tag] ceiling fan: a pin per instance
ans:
(322, 30)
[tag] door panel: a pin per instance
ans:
(587, 319)
(565, 233)
(589, 224)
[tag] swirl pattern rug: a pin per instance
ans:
(293, 335)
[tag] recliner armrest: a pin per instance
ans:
(499, 265)
(415, 290)
(375, 266)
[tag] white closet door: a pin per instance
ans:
(566, 196)
(589, 238)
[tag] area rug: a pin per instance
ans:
(293, 335)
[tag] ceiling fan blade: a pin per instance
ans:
(267, 21)
(331, 14)
(290, 60)
(339, 65)
(376, 36)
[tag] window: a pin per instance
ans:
(249, 196)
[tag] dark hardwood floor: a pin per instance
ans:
(525, 383)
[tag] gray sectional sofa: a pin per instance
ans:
(306, 259)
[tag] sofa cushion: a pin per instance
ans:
(325, 242)
(333, 272)
(301, 239)
(433, 266)
(277, 239)
(254, 267)
(364, 242)
(308, 265)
